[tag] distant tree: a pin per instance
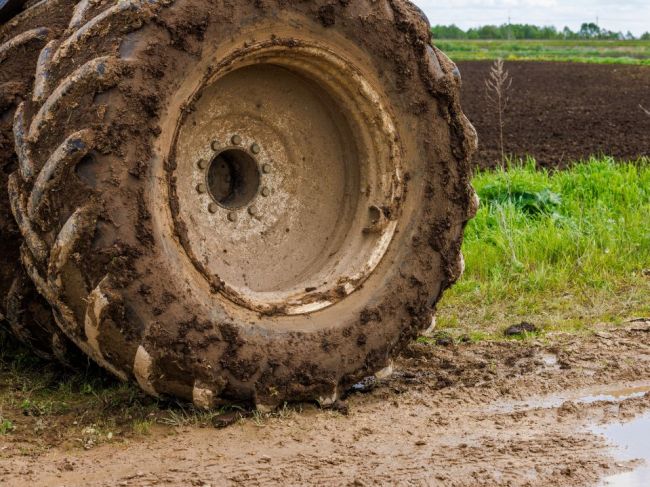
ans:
(645, 36)
(589, 30)
(529, 31)
(488, 32)
(448, 32)
(568, 33)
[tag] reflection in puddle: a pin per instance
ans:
(586, 396)
(632, 442)
(616, 395)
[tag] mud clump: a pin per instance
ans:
(520, 329)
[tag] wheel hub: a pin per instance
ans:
(287, 179)
(233, 178)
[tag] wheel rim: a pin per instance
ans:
(285, 178)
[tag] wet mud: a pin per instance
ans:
(461, 415)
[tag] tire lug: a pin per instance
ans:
(236, 140)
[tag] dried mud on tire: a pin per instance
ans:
(562, 112)
(102, 204)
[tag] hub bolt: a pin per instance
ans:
(266, 168)
(236, 140)
(215, 145)
(255, 149)
(213, 208)
(266, 192)
(232, 217)
(202, 163)
(201, 188)
(253, 211)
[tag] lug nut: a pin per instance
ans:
(213, 208)
(236, 140)
(255, 149)
(232, 217)
(266, 168)
(201, 188)
(252, 210)
(215, 145)
(202, 163)
(266, 192)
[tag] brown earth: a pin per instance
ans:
(561, 112)
(489, 413)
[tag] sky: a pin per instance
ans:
(623, 15)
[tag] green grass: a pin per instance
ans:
(592, 51)
(563, 250)
(81, 408)
(43, 405)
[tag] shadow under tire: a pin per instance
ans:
(257, 203)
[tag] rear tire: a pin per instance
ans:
(22, 40)
(260, 250)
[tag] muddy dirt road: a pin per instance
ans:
(515, 413)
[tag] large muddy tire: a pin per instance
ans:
(22, 40)
(244, 201)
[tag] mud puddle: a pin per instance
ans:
(631, 442)
(434, 422)
(586, 396)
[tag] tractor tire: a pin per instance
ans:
(245, 201)
(22, 40)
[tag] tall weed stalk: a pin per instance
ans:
(497, 92)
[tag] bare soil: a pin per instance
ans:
(561, 112)
(491, 413)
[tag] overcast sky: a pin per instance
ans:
(623, 15)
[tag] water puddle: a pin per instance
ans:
(616, 395)
(586, 396)
(631, 441)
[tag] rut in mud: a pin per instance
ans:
(515, 413)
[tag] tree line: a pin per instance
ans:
(588, 30)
